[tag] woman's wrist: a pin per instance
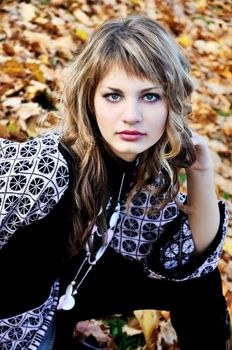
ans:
(206, 170)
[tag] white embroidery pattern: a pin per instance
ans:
(26, 331)
(33, 177)
(207, 266)
(137, 232)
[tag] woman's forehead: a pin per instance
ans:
(115, 68)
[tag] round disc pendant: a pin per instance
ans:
(66, 302)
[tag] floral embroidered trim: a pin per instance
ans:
(26, 331)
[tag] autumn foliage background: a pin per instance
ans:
(37, 40)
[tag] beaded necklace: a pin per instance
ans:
(67, 301)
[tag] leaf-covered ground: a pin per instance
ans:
(39, 37)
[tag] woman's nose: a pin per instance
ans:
(132, 113)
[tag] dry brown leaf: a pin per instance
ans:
(166, 335)
(224, 184)
(66, 45)
(94, 328)
(227, 126)
(207, 46)
(217, 146)
(82, 17)
(12, 102)
(130, 331)
(27, 11)
(216, 87)
(227, 247)
(28, 109)
(4, 132)
(226, 170)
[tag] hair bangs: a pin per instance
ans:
(133, 62)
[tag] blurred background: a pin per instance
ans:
(37, 40)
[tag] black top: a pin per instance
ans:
(36, 179)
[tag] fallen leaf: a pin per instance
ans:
(82, 17)
(130, 331)
(227, 246)
(12, 101)
(166, 334)
(95, 328)
(148, 320)
(82, 33)
(14, 68)
(227, 126)
(184, 40)
(28, 109)
(27, 11)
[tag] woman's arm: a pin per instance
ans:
(202, 200)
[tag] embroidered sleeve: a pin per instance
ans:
(33, 177)
(172, 256)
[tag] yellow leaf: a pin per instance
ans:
(44, 59)
(81, 34)
(201, 5)
(184, 40)
(13, 68)
(227, 73)
(148, 320)
(35, 70)
(224, 288)
(227, 247)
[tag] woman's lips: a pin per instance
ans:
(130, 135)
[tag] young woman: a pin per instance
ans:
(100, 201)
(126, 103)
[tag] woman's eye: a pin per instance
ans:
(112, 97)
(151, 97)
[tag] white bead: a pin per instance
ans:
(114, 219)
(69, 290)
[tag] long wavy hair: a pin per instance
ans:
(143, 48)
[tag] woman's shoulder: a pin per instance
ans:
(43, 153)
(34, 176)
(30, 148)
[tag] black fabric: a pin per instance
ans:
(27, 283)
(116, 168)
(118, 285)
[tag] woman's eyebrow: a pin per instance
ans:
(112, 88)
(143, 90)
(156, 87)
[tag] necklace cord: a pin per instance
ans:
(67, 301)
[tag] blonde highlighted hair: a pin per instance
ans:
(142, 47)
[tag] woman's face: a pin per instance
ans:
(131, 113)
